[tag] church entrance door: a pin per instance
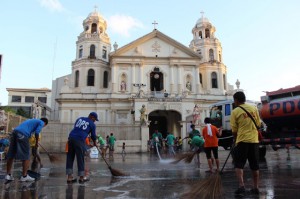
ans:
(165, 121)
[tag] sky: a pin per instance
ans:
(260, 38)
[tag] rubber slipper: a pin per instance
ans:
(71, 181)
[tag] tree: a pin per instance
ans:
(21, 112)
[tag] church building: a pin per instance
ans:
(154, 82)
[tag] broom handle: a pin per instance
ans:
(103, 158)
(227, 158)
(44, 148)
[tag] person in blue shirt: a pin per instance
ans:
(19, 147)
(76, 145)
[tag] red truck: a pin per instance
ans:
(280, 111)
(280, 114)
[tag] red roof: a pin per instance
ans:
(282, 91)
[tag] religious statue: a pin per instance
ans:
(196, 114)
(123, 86)
(143, 117)
(188, 86)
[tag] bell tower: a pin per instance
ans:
(212, 71)
(90, 67)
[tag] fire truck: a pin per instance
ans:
(280, 114)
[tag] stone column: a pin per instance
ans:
(144, 138)
(179, 77)
(198, 85)
(113, 79)
(133, 80)
(171, 79)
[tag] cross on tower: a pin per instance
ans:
(154, 24)
(96, 8)
(202, 13)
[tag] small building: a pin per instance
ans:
(35, 103)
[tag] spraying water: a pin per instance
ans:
(157, 151)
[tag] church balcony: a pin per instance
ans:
(93, 36)
(158, 96)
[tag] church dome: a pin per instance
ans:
(95, 16)
(202, 21)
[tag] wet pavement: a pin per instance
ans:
(150, 177)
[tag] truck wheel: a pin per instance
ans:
(262, 152)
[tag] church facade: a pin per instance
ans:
(154, 82)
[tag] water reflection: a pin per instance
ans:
(80, 191)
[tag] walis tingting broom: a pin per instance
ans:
(209, 188)
(113, 171)
(52, 158)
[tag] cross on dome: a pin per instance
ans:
(96, 8)
(154, 24)
(202, 14)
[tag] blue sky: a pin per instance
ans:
(260, 38)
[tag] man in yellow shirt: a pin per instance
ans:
(246, 141)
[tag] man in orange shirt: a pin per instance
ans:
(210, 134)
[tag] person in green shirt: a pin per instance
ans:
(197, 144)
(111, 141)
(157, 140)
(194, 132)
(170, 142)
(101, 141)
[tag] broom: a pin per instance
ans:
(52, 157)
(187, 157)
(209, 188)
(113, 171)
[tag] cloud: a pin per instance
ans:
(122, 24)
(52, 5)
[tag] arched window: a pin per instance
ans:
(220, 57)
(91, 78)
(200, 78)
(224, 81)
(214, 80)
(207, 33)
(94, 28)
(92, 51)
(211, 54)
(77, 78)
(104, 52)
(105, 79)
(80, 52)
(200, 34)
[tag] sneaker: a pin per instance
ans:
(9, 177)
(27, 179)
(240, 191)
(254, 191)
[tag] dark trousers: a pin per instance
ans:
(76, 147)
